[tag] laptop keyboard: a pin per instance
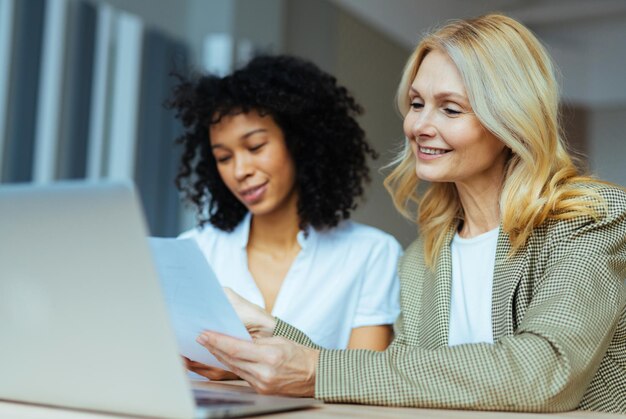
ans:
(203, 399)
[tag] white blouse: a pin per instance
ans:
(342, 278)
(473, 261)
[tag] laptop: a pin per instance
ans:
(83, 323)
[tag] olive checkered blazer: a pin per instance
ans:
(559, 328)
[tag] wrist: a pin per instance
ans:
(264, 328)
(313, 359)
(269, 326)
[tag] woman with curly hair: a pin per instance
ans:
(274, 161)
(513, 295)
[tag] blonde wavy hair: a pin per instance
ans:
(511, 86)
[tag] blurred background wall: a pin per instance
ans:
(82, 82)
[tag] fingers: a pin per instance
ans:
(197, 365)
(240, 304)
(258, 322)
(271, 366)
(210, 372)
(229, 347)
(232, 296)
(248, 360)
(215, 374)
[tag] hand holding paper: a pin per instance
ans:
(194, 296)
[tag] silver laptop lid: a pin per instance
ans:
(82, 319)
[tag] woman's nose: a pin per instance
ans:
(419, 124)
(243, 167)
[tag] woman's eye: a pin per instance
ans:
(416, 105)
(256, 147)
(451, 111)
(222, 159)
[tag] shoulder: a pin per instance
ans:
(207, 234)
(586, 232)
(608, 200)
(613, 195)
(198, 232)
(360, 242)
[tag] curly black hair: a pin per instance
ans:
(317, 117)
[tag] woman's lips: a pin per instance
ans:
(253, 195)
(429, 153)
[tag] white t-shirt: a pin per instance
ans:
(473, 261)
(344, 277)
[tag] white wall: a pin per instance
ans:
(405, 20)
(592, 59)
(607, 146)
(369, 64)
(591, 56)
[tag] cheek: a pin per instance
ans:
(406, 125)
(497, 153)
(483, 152)
(489, 146)
(279, 166)
(288, 172)
(413, 145)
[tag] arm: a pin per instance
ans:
(378, 305)
(371, 337)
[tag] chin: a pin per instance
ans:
(431, 177)
(426, 178)
(260, 209)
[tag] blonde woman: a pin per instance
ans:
(513, 295)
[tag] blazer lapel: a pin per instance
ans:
(508, 272)
(435, 315)
(435, 295)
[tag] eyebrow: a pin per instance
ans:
(444, 95)
(243, 137)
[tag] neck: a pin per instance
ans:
(276, 232)
(481, 207)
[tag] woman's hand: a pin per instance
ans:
(207, 371)
(271, 365)
(258, 322)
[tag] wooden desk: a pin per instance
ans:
(22, 411)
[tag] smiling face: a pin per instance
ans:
(254, 163)
(447, 139)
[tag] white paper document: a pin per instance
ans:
(194, 296)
